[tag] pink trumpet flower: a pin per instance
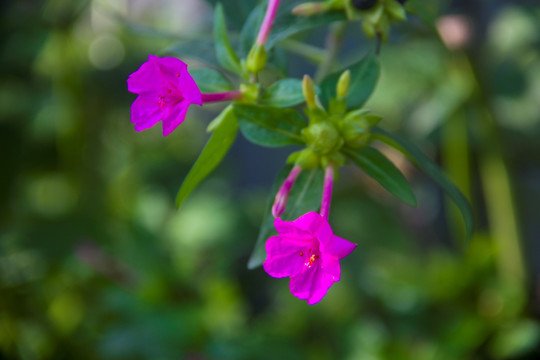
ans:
(308, 252)
(166, 90)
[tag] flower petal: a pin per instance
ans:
(309, 222)
(147, 79)
(311, 285)
(337, 247)
(285, 256)
(189, 88)
(290, 229)
(145, 112)
(173, 117)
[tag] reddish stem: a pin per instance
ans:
(267, 22)
(327, 191)
(221, 96)
(280, 202)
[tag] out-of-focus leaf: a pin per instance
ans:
(201, 49)
(251, 28)
(209, 80)
(426, 10)
(287, 24)
(364, 77)
(384, 172)
(215, 149)
(424, 163)
(224, 51)
(284, 93)
(305, 196)
(270, 126)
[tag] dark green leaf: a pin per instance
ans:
(287, 24)
(284, 93)
(305, 196)
(364, 76)
(224, 52)
(215, 149)
(209, 80)
(424, 163)
(270, 126)
(384, 172)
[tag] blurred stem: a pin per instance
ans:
(497, 185)
(310, 52)
(333, 43)
(456, 160)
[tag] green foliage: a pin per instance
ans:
(224, 52)
(283, 93)
(209, 80)
(431, 169)
(305, 196)
(215, 149)
(364, 76)
(384, 172)
(270, 126)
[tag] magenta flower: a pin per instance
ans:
(165, 90)
(308, 252)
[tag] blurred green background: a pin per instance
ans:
(96, 263)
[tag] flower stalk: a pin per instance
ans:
(327, 191)
(221, 96)
(269, 17)
(280, 202)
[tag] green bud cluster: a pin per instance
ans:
(376, 15)
(331, 130)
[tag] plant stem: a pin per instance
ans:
(333, 43)
(327, 191)
(221, 96)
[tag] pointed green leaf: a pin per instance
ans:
(284, 93)
(286, 24)
(384, 172)
(224, 51)
(305, 196)
(270, 126)
(364, 77)
(428, 166)
(210, 80)
(215, 149)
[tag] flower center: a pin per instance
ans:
(312, 255)
(169, 96)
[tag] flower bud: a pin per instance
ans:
(307, 159)
(310, 8)
(356, 127)
(395, 10)
(343, 83)
(256, 60)
(322, 137)
(309, 92)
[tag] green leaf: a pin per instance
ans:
(270, 126)
(364, 77)
(305, 196)
(384, 172)
(209, 80)
(201, 49)
(251, 28)
(284, 93)
(287, 24)
(215, 149)
(424, 163)
(224, 52)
